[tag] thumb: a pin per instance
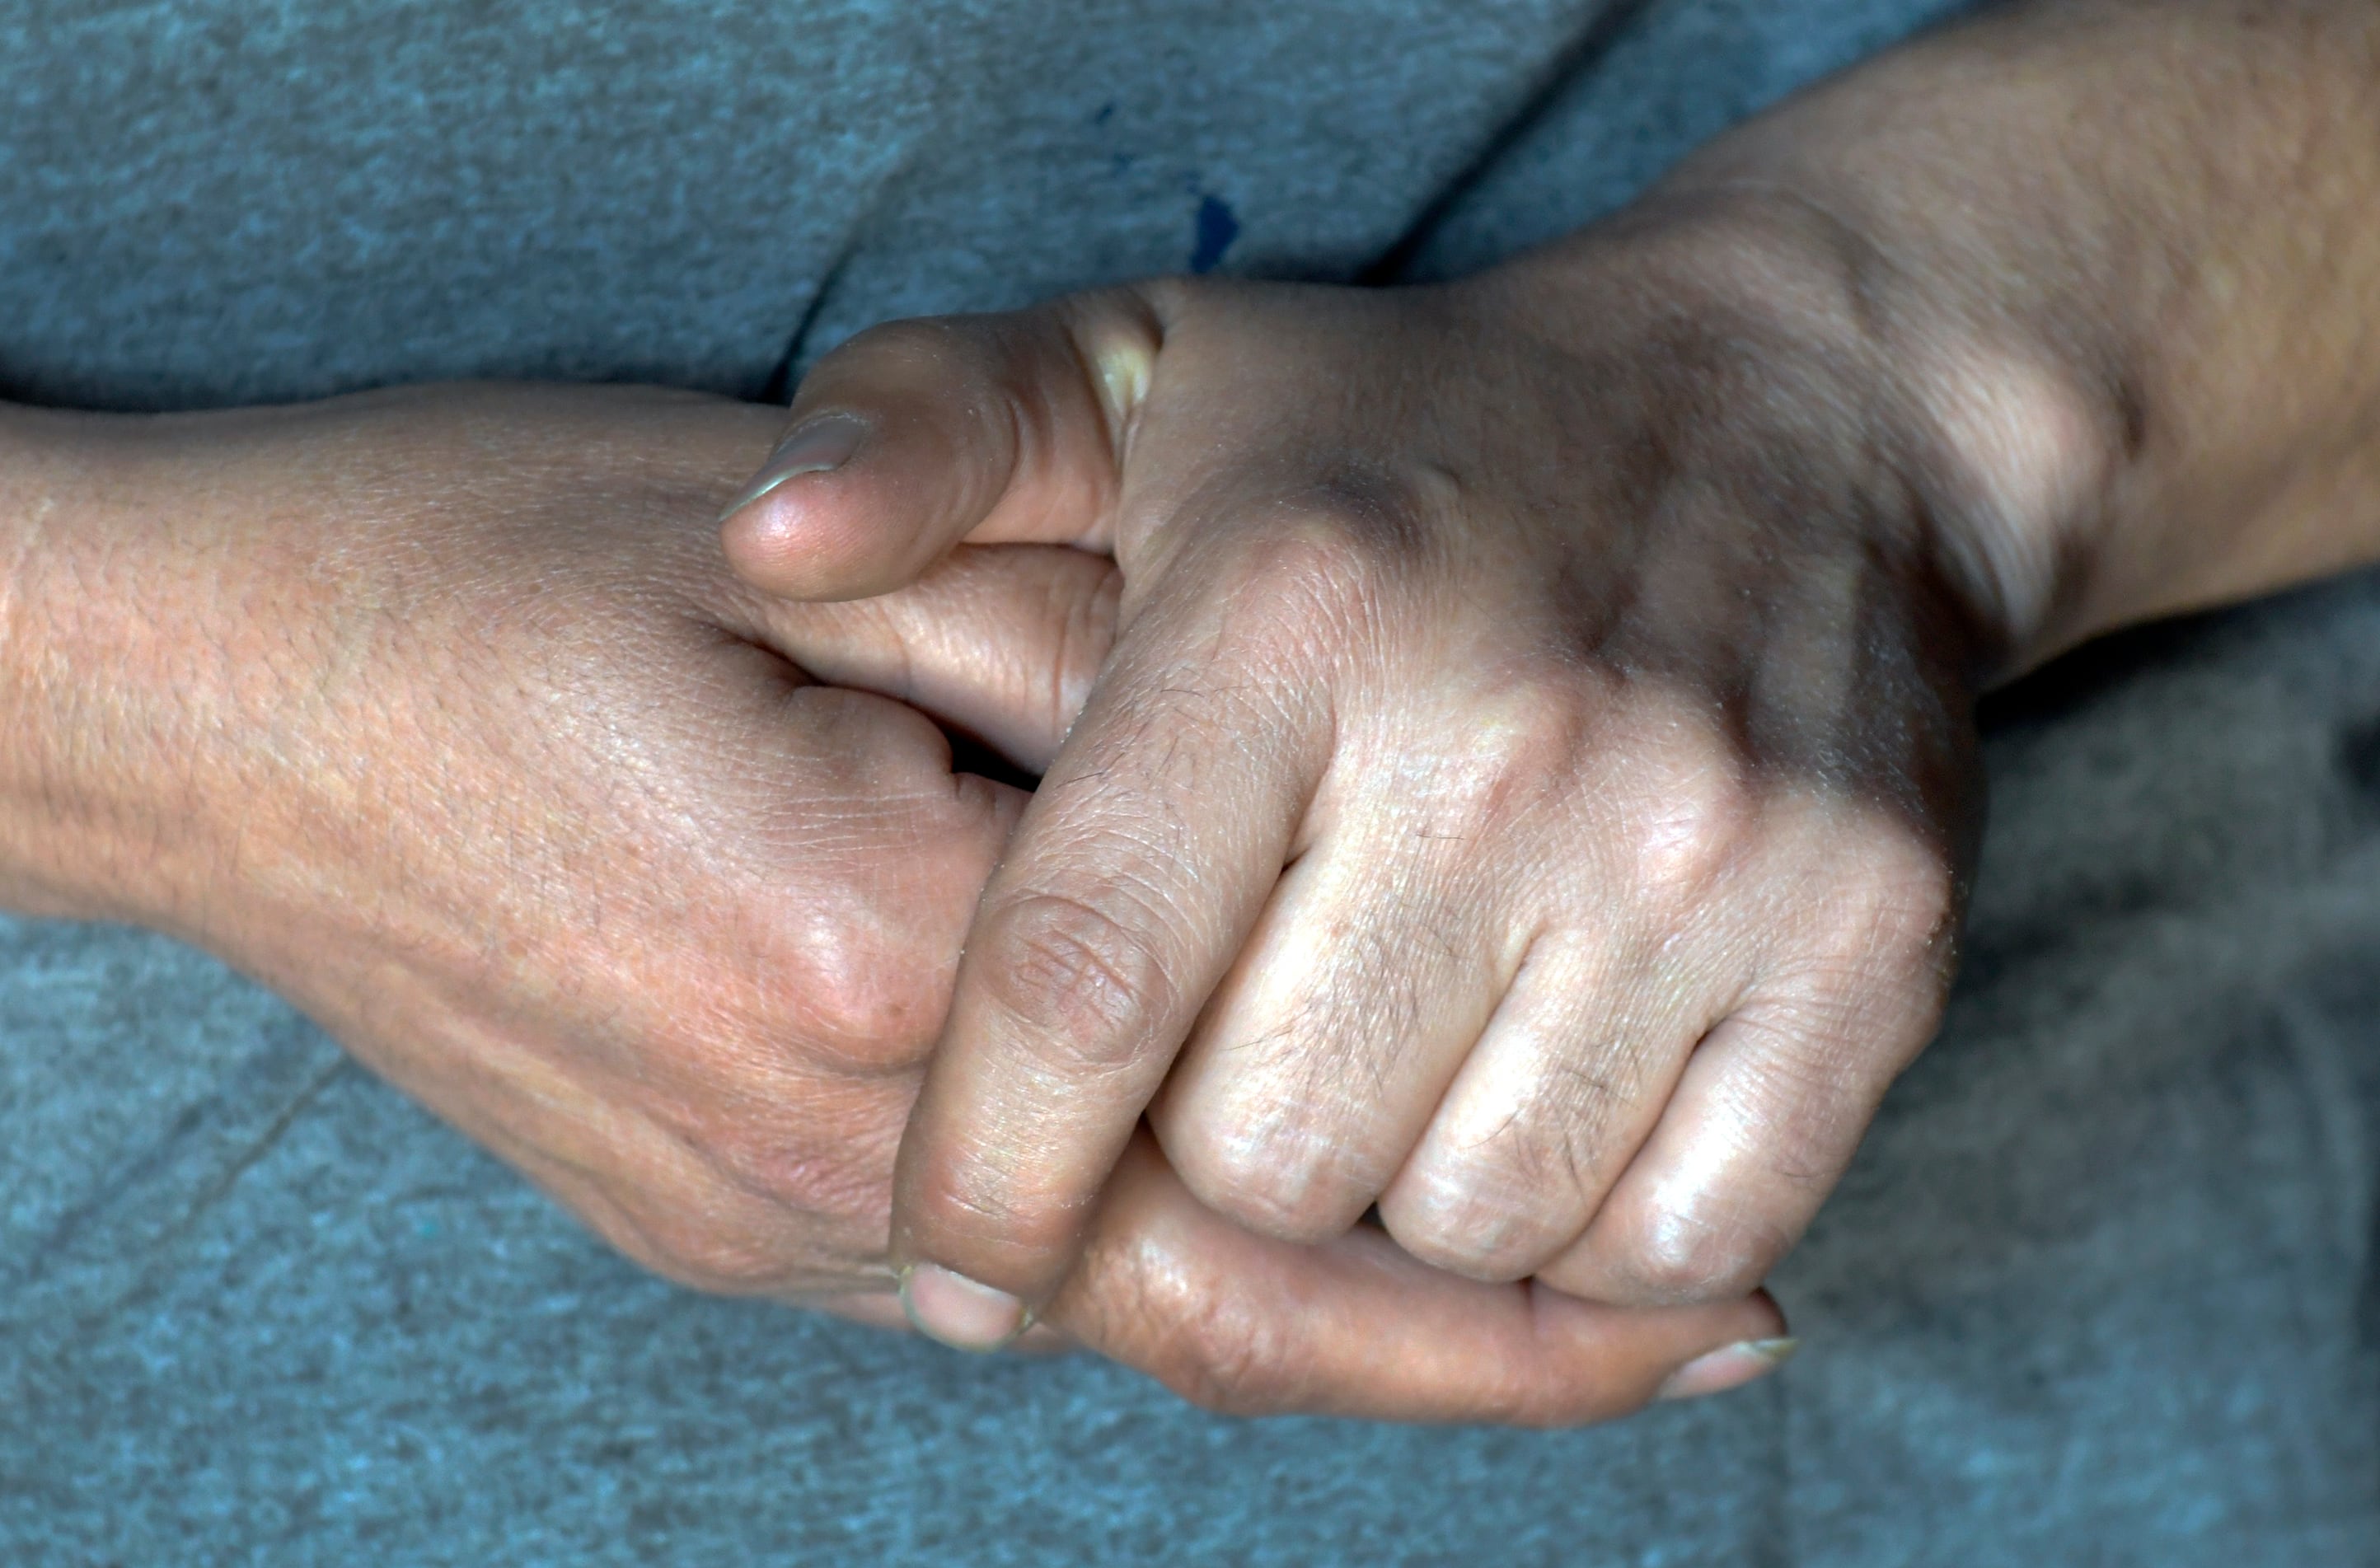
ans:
(1250, 1325)
(1001, 641)
(918, 434)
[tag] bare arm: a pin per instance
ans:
(2124, 255)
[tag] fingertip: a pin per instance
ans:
(1709, 1348)
(918, 434)
(805, 528)
(945, 1306)
(1730, 1366)
(977, 1260)
(819, 444)
(758, 535)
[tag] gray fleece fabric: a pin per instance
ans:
(2098, 1292)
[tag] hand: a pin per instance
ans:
(440, 713)
(1530, 788)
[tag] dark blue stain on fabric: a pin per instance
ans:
(1218, 226)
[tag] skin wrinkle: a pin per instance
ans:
(1430, 1179)
(1069, 985)
(1295, 1132)
(1300, 1052)
(1554, 1095)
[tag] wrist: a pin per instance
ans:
(1970, 446)
(85, 810)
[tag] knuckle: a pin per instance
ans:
(1677, 1258)
(1291, 599)
(852, 1007)
(1813, 1077)
(844, 1181)
(1274, 1186)
(851, 1003)
(1516, 748)
(1214, 1343)
(1313, 570)
(1500, 1211)
(1091, 986)
(1480, 1240)
(1878, 933)
(709, 1255)
(1364, 511)
(1904, 902)
(1292, 1156)
(1232, 1361)
(1698, 819)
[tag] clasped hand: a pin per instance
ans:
(439, 713)
(1528, 793)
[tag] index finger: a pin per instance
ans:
(1135, 876)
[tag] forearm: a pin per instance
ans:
(2122, 259)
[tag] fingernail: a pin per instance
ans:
(817, 445)
(959, 1312)
(1728, 1368)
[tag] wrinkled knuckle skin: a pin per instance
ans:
(1365, 512)
(1526, 747)
(844, 1186)
(710, 1258)
(1316, 565)
(1200, 1337)
(1228, 1361)
(1472, 1240)
(1882, 934)
(1676, 1261)
(1703, 817)
(1273, 1186)
(1510, 1202)
(1087, 985)
(1908, 905)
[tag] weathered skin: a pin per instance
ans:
(439, 713)
(1532, 784)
